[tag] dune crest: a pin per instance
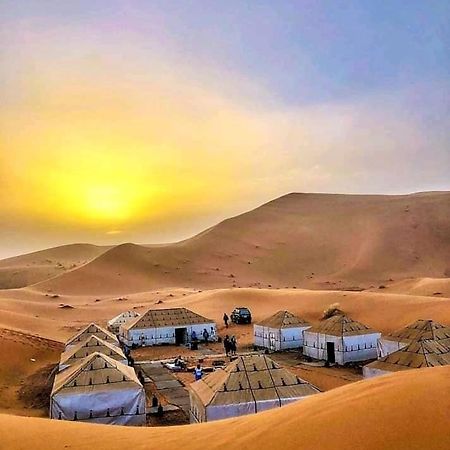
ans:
(319, 241)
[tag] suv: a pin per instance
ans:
(241, 315)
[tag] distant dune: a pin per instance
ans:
(319, 241)
(31, 268)
(404, 411)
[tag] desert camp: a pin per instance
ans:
(224, 225)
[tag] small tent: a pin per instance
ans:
(91, 345)
(340, 340)
(248, 385)
(115, 322)
(280, 331)
(98, 389)
(418, 354)
(92, 330)
(166, 326)
(419, 330)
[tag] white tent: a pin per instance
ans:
(91, 345)
(115, 322)
(418, 354)
(98, 389)
(92, 330)
(166, 326)
(419, 330)
(248, 385)
(281, 331)
(340, 340)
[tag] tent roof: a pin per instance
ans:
(341, 325)
(248, 379)
(415, 355)
(91, 345)
(96, 370)
(158, 318)
(92, 329)
(283, 319)
(125, 315)
(421, 330)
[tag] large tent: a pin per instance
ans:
(340, 340)
(280, 331)
(419, 330)
(98, 389)
(248, 385)
(115, 322)
(166, 326)
(91, 330)
(91, 345)
(425, 353)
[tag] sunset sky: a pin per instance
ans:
(148, 121)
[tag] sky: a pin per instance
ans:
(149, 121)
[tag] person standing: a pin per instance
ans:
(225, 319)
(226, 344)
(233, 345)
(198, 372)
(205, 335)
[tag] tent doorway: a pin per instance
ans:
(180, 336)
(330, 353)
(272, 342)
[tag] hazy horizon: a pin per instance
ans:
(136, 121)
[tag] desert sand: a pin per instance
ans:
(319, 241)
(400, 411)
(384, 259)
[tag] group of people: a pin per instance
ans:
(205, 335)
(230, 345)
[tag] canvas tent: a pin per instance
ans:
(418, 354)
(91, 330)
(98, 389)
(115, 322)
(340, 340)
(280, 331)
(248, 385)
(91, 345)
(166, 326)
(419, 330)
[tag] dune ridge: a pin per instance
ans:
(319, 241)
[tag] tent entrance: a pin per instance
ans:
(272, 341)
(180, 336)
(330, 353)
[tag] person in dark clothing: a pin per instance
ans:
(226, 344)
(225, 319)
(233, 345)
(205, 335)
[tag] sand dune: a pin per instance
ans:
(319, 241)
(31, 268)
(401, 411)
(29, 310)
(436, 287)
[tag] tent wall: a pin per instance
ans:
(347, 349)
(91, 404)
(386, 347)
(276, 339)
(156, 336)
(68, 363)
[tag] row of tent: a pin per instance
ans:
(340, 339)
(94, 382)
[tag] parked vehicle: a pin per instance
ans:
(241, 315)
